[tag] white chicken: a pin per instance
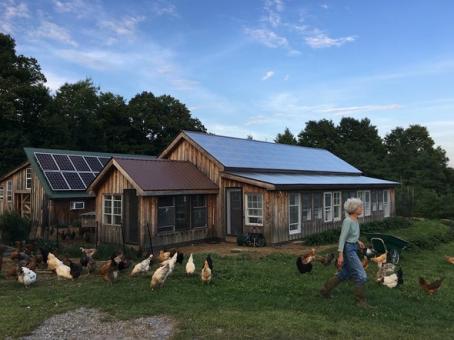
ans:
(53, 262)
(171, 263)
(393, 280)
(141, 267)
(26, 276)
(190, 266)
(160, 276)
(63, 271)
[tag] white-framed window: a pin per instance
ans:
(374, 200)
(337, 209)
(76, 205)
(364, 195)
(307, 207)
(380, 200)
(9, 190)
(386, 203)
(294, 213)
(28, 178)
(112, 209)
(328, 206)
(318, 206)
(2, 193)
(254, 209)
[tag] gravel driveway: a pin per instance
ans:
(91, 324)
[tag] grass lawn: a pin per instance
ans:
(253, 297)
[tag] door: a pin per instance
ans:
(130, 216)
(234, 210)
(386, 203)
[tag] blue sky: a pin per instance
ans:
(255, 67)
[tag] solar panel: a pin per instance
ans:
(94, 163)
(63, 162)
(87, 177)
(79, 163)
(104, 160)
(56, 180)
(74, 181)
(46, 161)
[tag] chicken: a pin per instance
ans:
(76, 269)
(180, 256)
(86, 260)
(159, 276)
(142, 267)
(53, 262)
(32, 263)
(385, 269)
(365, 262)
(163, 256)
(302, 266)
(309, 256)
(44, 254)
(109, 269)
(210, 262)
(380, 259)
(450, 259)
(393, 280)
(205, 275)
(63, 271)
(430, 288)
(26, 276)
(190, 266)
(171, 262)
(326, 260)
(90, 252)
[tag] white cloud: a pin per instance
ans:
(11, 10)
(52, 31)
(286, 77)
(267, 37)
(268, 75)
(360, 109)
(272, 9)
(125, 26)
(162, 7)
(319, 39)
(55, 81)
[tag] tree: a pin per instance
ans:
(23, 99)
(321, 134)
(286, 138)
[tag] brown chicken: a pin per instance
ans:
(450, 259)
(309, 256)
(380, 259)
(32, 263)
(109, 269)
(164, 255)
(430, 288)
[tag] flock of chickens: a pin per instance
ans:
(387, 274)
(26, 264)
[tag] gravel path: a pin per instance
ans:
(91, 324)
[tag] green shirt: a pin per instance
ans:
(349, 232)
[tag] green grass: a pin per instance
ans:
(253, 297)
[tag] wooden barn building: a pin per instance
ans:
(208, 186)
(50, 187)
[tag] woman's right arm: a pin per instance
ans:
(342, 238)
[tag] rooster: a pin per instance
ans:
(26, 276)
(430, 288)
(205, 275)
(190, 266)
(159, 276)
(304, 262)
(450, 259)
(142, 267)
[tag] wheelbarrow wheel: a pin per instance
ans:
(395, 256)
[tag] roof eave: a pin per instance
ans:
(12, 172)
(180, 192)
(289, 171)
(285, 187)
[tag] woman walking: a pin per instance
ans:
(348, 258)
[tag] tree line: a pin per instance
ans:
(407, 155)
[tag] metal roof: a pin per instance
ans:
(30, 153)
(280, 180)
(166, 175)
(237, 153)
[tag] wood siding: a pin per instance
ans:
(19, 193)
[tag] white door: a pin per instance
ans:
(386, 203)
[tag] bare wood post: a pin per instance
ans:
(149, 236)
(96, 231)
(123, 238)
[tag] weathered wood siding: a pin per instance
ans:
(61, 214)
(19, 191)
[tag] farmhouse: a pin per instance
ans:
(50, 187)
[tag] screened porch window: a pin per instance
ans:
(337, 209)
(112, 209)
(182, 212)
(199, 211)
(294, 206)
(318, 206)
(166, 213)
(364, 195)
(328, 206)
(254, 209)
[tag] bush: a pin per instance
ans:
(14, 227)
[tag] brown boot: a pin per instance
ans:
(329, 286)
(360, 297)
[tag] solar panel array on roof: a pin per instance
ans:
(250, 154)
(69, 172)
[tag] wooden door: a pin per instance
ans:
(130, 216)
(234, 211)
(26, 210)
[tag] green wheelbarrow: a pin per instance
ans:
(383, 243)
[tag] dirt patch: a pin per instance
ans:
(86, 323)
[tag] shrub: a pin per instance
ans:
(14, 227)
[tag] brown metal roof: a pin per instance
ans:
(166, 175)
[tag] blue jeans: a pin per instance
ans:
(352, 267)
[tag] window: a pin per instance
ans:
(386, 203)
(76, 205)
(364, 196)
(374, 200)
(254, 209)
(112, 209)
(380, 200)
(328, 206)
(307, 207)
(28, 178)
(9, 191)
(318, 206)
(337, 206)
(294, 207)
(2, 193)
(166, 213)
(199, 211)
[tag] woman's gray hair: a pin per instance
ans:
(352, 204)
